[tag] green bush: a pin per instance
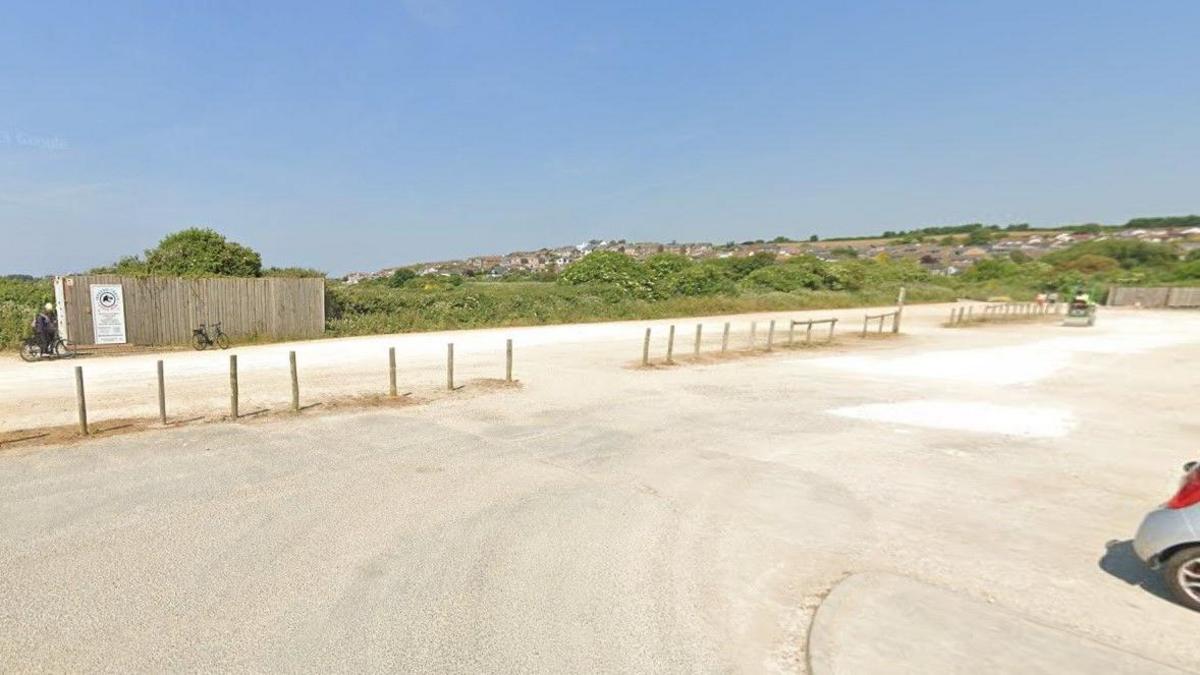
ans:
(660, 266)
(1187, 271)
(857, 274)
(611, 268)
(1129, 253)
(432, 282)
(15, 319)
(194, 252)
(32, 293)
(701, 280)
(992, 268)
(802, 272)
(1090, 263)
(400, 277)
(740, 268)
(364, 309)
(293, 272)
(20, 301)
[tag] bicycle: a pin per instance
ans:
(201, 339)
(31, 349)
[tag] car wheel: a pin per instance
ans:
(1182, 574)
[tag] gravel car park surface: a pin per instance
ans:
(601, 517)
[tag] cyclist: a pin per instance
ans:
(45, 328)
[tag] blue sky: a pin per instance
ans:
(353, 138)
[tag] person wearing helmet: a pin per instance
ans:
(45, 328)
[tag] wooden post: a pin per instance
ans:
(646, 349)
(162, 395)
(450, 366)
(508, 360)
(865, 320)
(725, 338)
(295, 382)
(233, 386)
(899, 310)
(971, 313)
(671, 344)
(881, 317)
(81, 400)
(953, 313)
(753, 331)
(808, 333)
(791, 333)
(771, 335)
(832, 325)
(962, 312)
(392, 372)
(696, 349)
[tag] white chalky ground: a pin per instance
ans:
(602, 518)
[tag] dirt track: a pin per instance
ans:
(604, 518)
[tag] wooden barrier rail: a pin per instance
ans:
(808, 324)
(894, 315)
(1002, 312)
(752, 339)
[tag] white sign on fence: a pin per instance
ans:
(108, 314)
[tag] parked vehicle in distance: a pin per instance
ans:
(202, 339)
(1169, 539)
(1080, 313)
(31, 350)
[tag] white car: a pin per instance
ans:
(1169, 539)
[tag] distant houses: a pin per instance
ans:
(945, 255)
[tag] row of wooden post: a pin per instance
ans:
(393, 391)
(725, 337)
(1006, 312)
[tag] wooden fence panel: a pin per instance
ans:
(165, 310)
(1184, 297)
(1155, 296)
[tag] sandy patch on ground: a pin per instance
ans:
(987, 418)
(1021, 364)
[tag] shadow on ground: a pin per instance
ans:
(1120, 561)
